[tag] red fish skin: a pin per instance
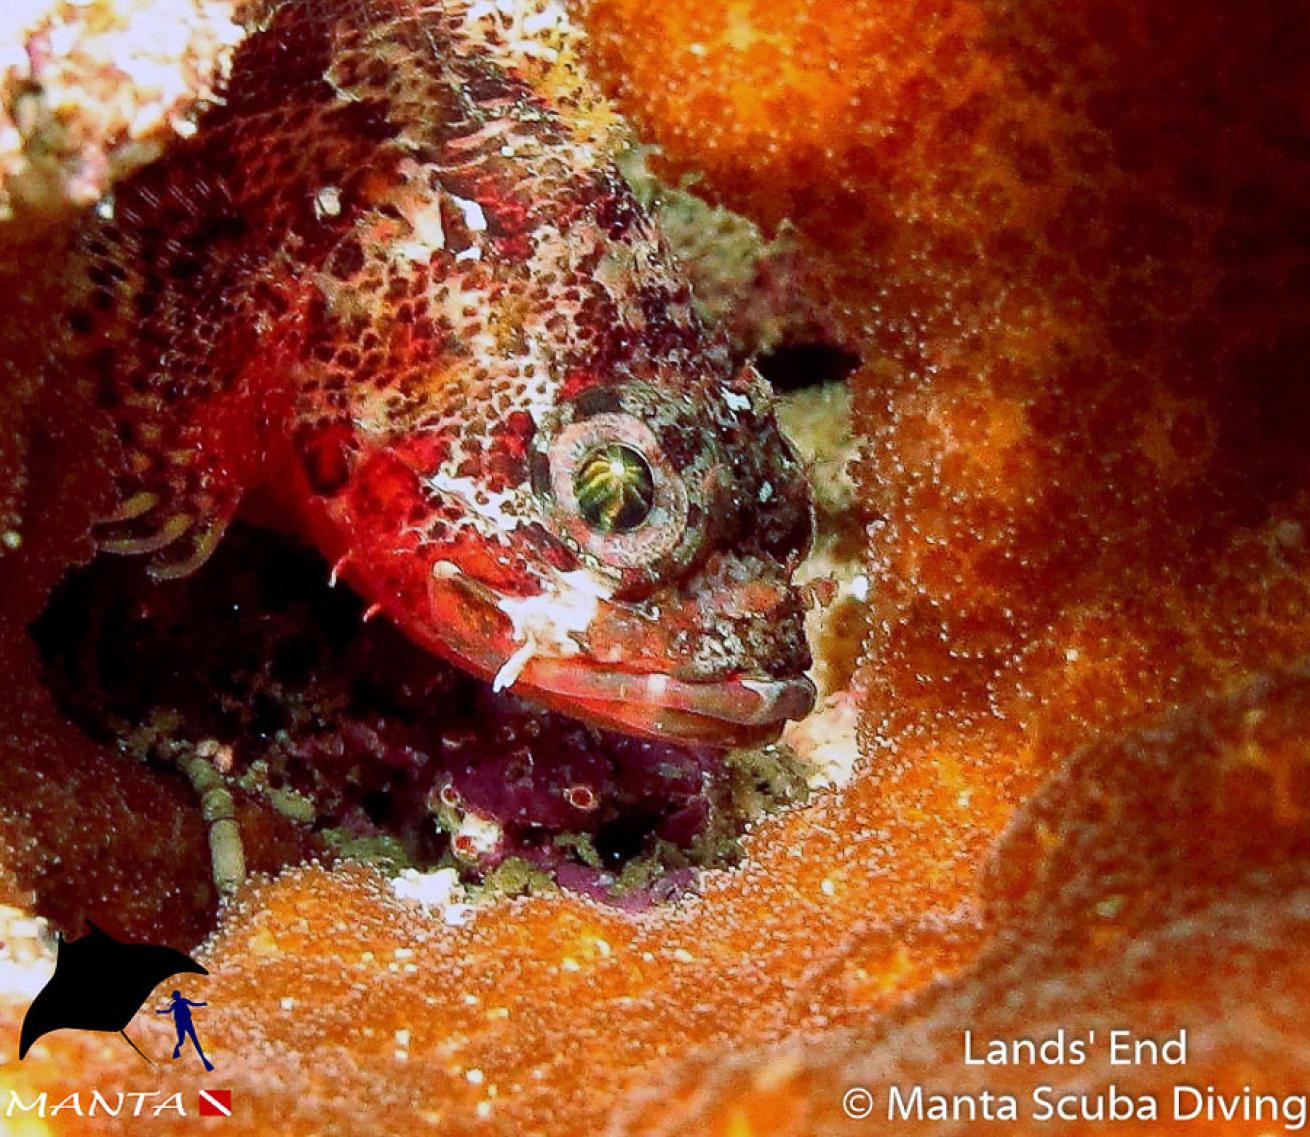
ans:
(388, 289)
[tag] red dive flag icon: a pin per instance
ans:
(215, 1103)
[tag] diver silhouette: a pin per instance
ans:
(180, 1009)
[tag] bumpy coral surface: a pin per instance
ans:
(1066, 243)
(1158, 884)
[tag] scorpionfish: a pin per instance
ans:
(387, 294)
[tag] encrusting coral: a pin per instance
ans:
(1067, 245)
(1158, 883)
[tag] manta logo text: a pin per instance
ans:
(95, 1103)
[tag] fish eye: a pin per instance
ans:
(613, 492)
(615, 488)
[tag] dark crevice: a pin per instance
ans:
(792, 366)
(367, 738)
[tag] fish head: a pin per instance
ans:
(686, 512)
(573, 488)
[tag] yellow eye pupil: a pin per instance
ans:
(614, 488)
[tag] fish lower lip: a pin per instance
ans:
(657, 705)
(728, 712)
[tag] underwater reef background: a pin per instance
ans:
(1069, 248)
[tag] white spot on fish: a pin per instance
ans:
(327, 202)
(474, 217)
(513, 667)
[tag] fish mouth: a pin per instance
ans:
(728, 712)
(475, 633)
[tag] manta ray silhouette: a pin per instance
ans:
(99, 984)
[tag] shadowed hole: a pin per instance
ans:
(390, 754)
(790, 367)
